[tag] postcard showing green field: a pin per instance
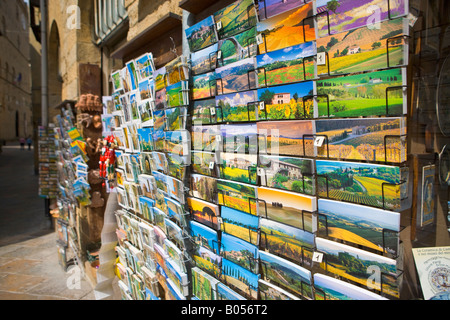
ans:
(176, 118)
(236, 195)
(364, 49)
(362, 225)
(269, 291)
(359, 266)
(290, 208)
(203, 86)
(240, 224)
(240, 252)
(235, 18)
(237, 47)
(344, 15)
(235, 77)
(287, 173)
(377, 93)
(204, 112)
(176, 94)
(236, 107)
(289, 138)
(287, 102)
(288, 275)
(238, 167)
(328, 288)
(287, 65)
(240, 279)
(206, 259)
(361, 183)
(204, 285)
(370, 139)
(201, 34)
(204, 163)
(286, 241)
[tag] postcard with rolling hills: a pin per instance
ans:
(202, 34)
(235, 77)
(352, 264)
(371, 228)
(270, 8)
(237, 195)
(364, 49)
(235, 18)
(236, 107)
(335, 16)
(370, 139)
(286, 29)
(239, 167)
(204, 86)
(377, 93)
(240, 252)
(287, 65)
(375, 185)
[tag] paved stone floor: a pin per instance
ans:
(29, 268)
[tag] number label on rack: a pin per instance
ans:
(317, 257)
(318, 142)
(321, 59)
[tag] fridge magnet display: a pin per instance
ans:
(225, 293)
(290, 208)
(239, 167)
(287, 65)
(352, 264)
(240, 279)
(373, 185)
(238, 47)
(371, 139)
(237, 76)
(236, 107)
(287, 241)
(362, 225)
(287, 173)
(269, 291)
(328, 288)
(240, 224)
(286, 29)
(286, 274)
(235, 18)
(204, 212)
(270, 8)
(204, 86)
(240, 252)
(236, 195)
(201, 34)
(204, 60)
(378, 93)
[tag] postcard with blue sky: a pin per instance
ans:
(204, 60)
(204, 236)
(225, 293)
(239, 251)
(243, 280)
(202, 34)
(240, 224)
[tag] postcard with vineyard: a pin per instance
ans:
(236, 195)
(290, 208)
(240, 224)
(370, 139)
(236, 107)
(238, 167)
(361, 183)
(287, 65)
(290, 138)
(235, 77)
(287, 102)
(240, 279)
(235, 18)
(287, 173)
(328, 288)
(202, 34)
(335, 16)
(377, 93)
(369, 227)
(270, 8)
(238, 47)
(287, 241)
(269, 291)
(365, 49)
(352, 264)
(240, 252)
(286, 29)
(204, 60)
(286, 274)
(204, 86)
(204, 212)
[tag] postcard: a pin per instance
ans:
(239, 138)
(144, 66)
(362, 183)
(145, 91)
(178, 278)
(235, 77)
(174, 233)
(206, 259)
(287, 173)
(239, 167)
(116, 81)
(177, 165)
(203, 285)
(240, 252)
(146, 113)
(159, 139)
(204, 236)
(328, 288)
(286, 29)
(176, 255)
(240, 224)
(177, 142)
(353, 264)
(206, 138)
(204, 163)
(176, 118)
(428, 201)
(176, 94)
(237, 47)
(161, 181)
(160, 78)
(376, 139)
(131, 74)
(159, 123)
(176, 211)
(364, 49)
(204, 112)
(202, 34)
(362, 225)
(270, 8)
(236, 107)
(177, 70)
(147, 235)
(133, 105)
(377, 93)
(146, 208)
(145, 136)
(160, 237)
(269, 291)
(204, 60)
(287, 65)
(176, 189)
(159, 161)
(345, 15)
(235, 18)
(204, 86)
(148, 185)
(239, 278)
(289, 138)
(160, 99)
(291, 101)
(225, 293)
(286, 274)
(204, 212)
(203, 187)
(145, 162)
(286, 241)
(236, 195)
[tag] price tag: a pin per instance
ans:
(212, 110)
(219, 25)
(319, 141)
(321, 59)
(219, 54)
(211, 165)
(261, 105)
(218, 137)
(260, 171)
(317, 257)
(259, 39)
(219, 220)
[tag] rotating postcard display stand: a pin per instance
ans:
(274, 160)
